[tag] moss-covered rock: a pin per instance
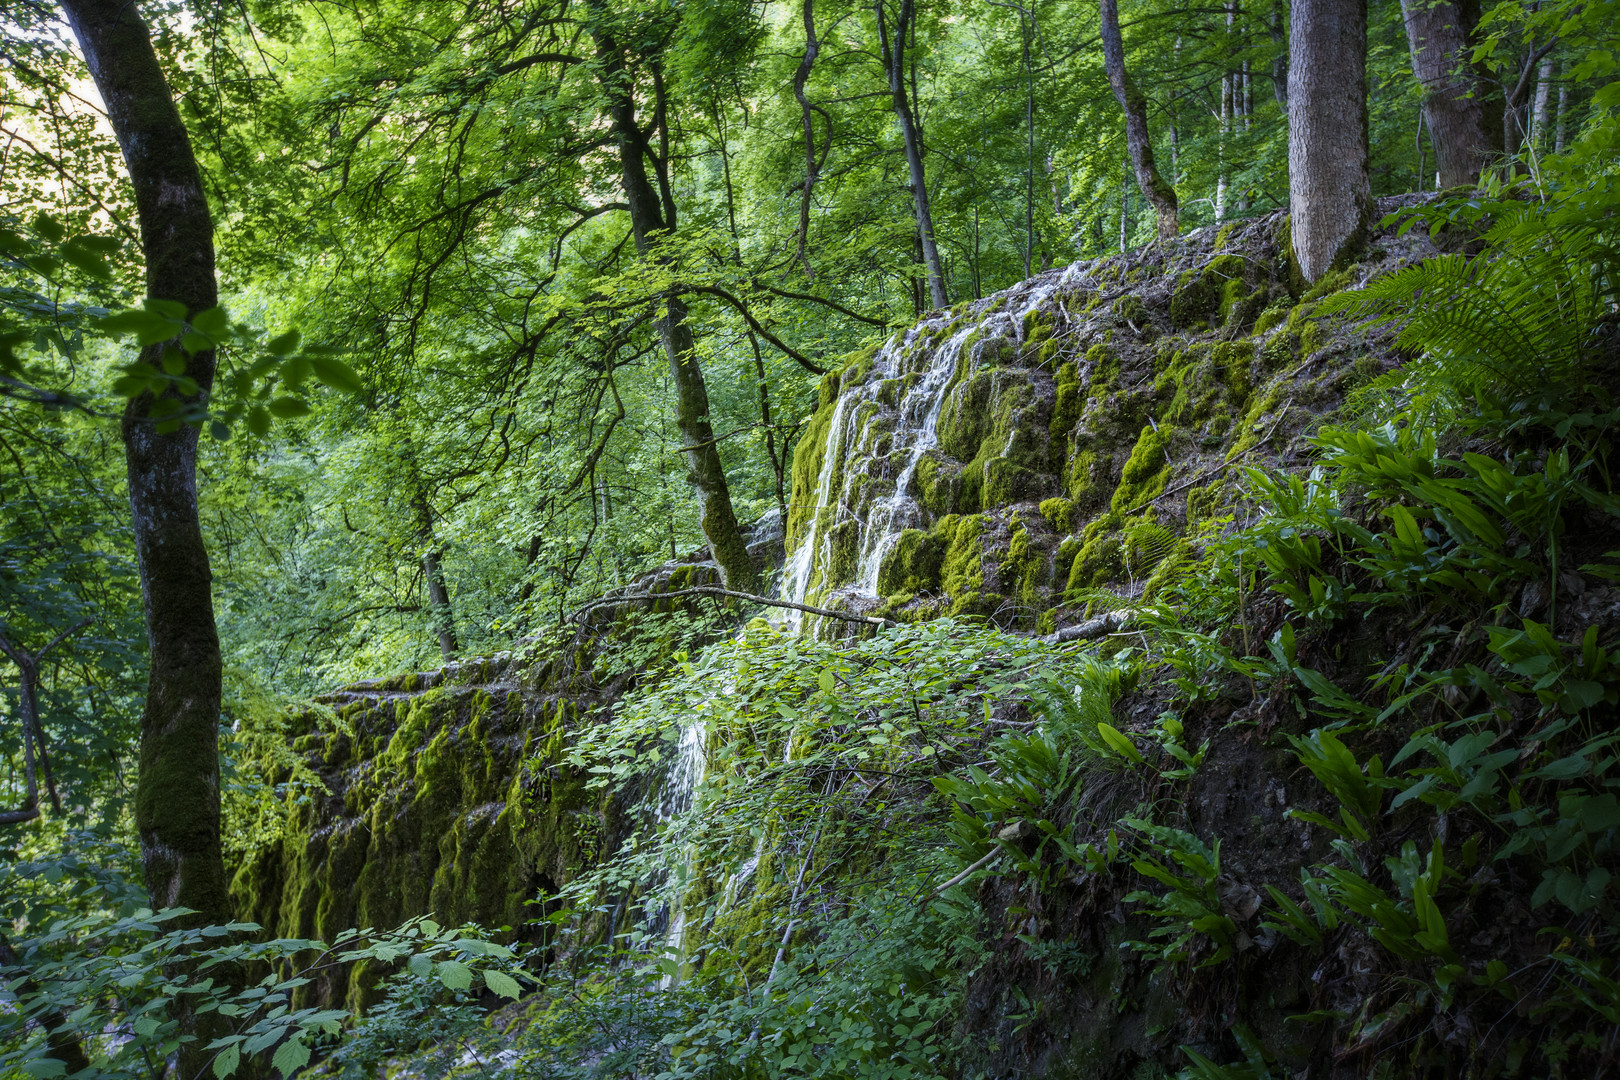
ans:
(1201, 294)
(1145, 473)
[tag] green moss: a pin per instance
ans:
(1130, 308)
(1278, 351)
(1202, 503)
(1059, 513)
(962, 564)
(1087, 481)
(1145, 473)
(1199, 294)
(1025, 567)
(808, 457)
(937, 483)
(1235, 359)
(1331, 282)
(913, 564)
(1065, 412)
(1240, 305)
(1310, 338)
(1271, 318)
(1099, 558)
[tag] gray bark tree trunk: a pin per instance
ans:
(650, 216)
(1160, 195)
(1279, 66)
(1328, 181)
(1453, 96)
(177, 802)
(893, 53)
(177, 813)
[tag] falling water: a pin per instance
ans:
(899, 511)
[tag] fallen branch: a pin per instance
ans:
(995, 854)
(715, 590)
(1103, 625)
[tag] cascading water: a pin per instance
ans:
(914, 435)
(900, 511)
(680, 786)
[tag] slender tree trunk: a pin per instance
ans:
(778, 461)
(652, 212)
(1541, 114)
(1453, 101)
(1230, 103)
(893, 51)
(439, 609)
(1328, 181)
(1563, 113)
(36, 749)
(177, 811)
(1124, 215)
(1279, 66)
(1160, 195)
(1225, 126)
(812, 48)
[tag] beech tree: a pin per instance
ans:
(1159, 194)
(892, 45)
(177, 805)
(1454, 96)
(1329, 186)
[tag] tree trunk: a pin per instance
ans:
(1453, 102)
(1279, 66)
(1559, 124)
(650, 216)
(177, 797)
(1328, 183)
(177, 802)
(812, 49)
(1541, 114)
(1160, 195)
(893, 53)
(439, 609)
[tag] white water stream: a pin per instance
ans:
(916, 432)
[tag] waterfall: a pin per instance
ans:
(899, 511)
(915, 433)
(802, 564)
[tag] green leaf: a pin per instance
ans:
(1118, 742)
(501, 983)
(455, 975)
(258, 421)
(420, 964)
(44, 1067)
(291, 1055)
(283, 344)
(226, 1062)
(288, 407)
(336, 374)
(147, 327)
(213, 323)
(49, 228)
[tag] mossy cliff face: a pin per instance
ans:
(447, 792)
(1073, 432)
